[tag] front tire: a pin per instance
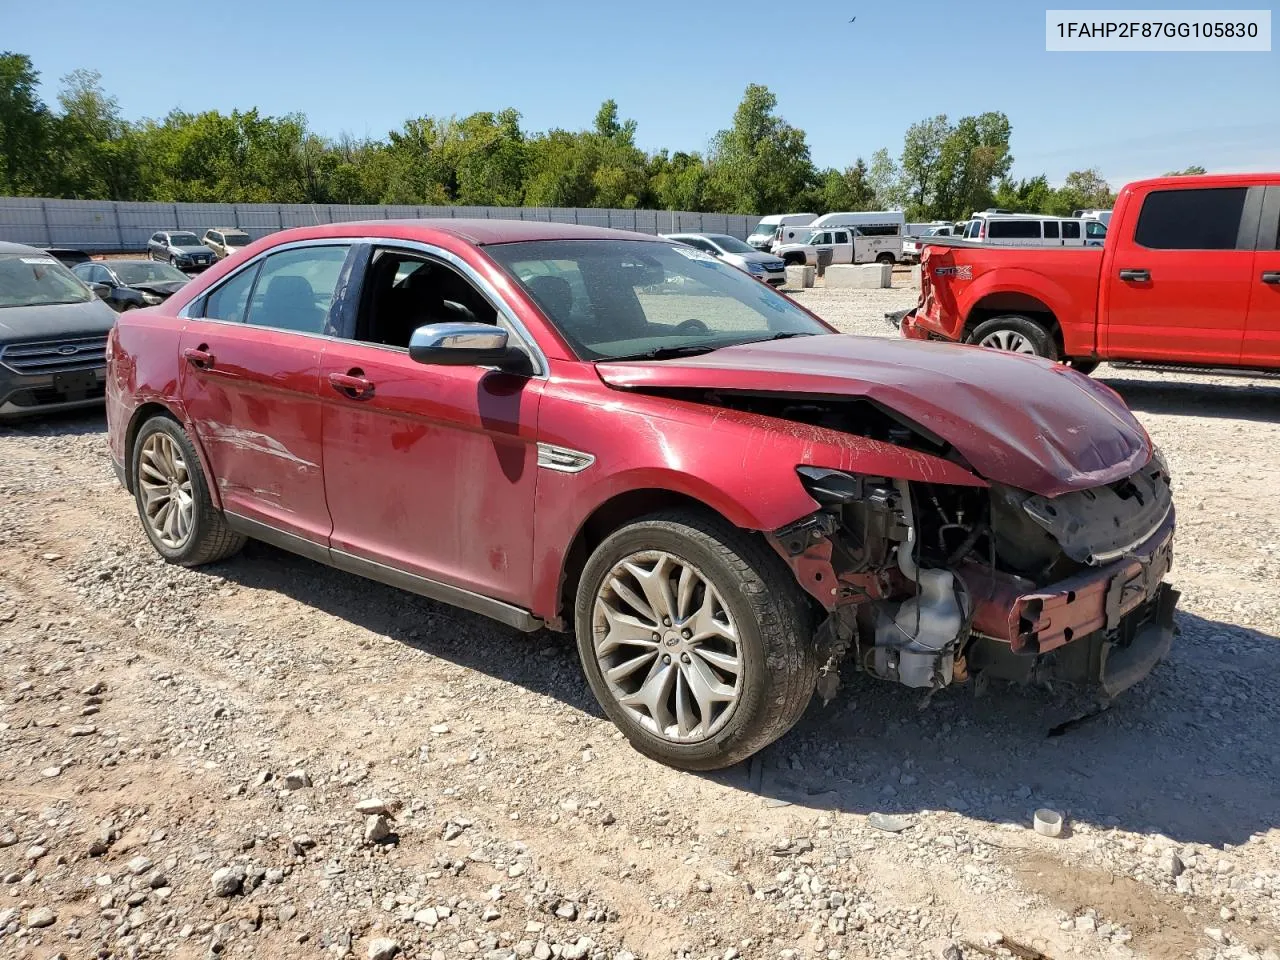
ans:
(173, 500)
(734, 664)
(1015, 334)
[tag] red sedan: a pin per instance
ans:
(577, 428)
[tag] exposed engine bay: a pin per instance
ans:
(925, 584)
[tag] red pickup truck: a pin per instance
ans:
(1189, 276)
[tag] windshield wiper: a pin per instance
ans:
(666, 353)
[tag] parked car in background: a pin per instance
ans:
(181, 249)
(765, 232)
(224, 241)
(912, 244)
(53, 335)
(1189, 277)
(1034, 230)
(604, 432)
(128, 284)
(844, 244)
(1102, 216)
(762, 266)
(67, 256)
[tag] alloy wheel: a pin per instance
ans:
(667, 646)
(1009, 340)
(165, 482)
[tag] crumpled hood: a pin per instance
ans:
(163, 288)
(1017, 420)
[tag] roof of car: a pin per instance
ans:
(7, 247)
(478, 232)
(224, 230)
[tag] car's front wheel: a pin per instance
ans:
(695, 639)
(173, 500)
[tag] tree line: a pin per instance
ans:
(83, 148)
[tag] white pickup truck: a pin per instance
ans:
(846, 244)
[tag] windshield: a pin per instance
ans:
(765, 228)
(28, 281)
(183, 240)
(730, 244)
(614, 299)
(133, 272)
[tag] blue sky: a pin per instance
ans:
(678, 69)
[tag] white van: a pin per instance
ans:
(766, 230)
(1102, 216)
(1033, 230)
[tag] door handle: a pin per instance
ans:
(198, 356)
(1271, 276)
(1138, 276)
(353, 385)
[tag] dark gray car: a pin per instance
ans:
(53, 336)
(181, 248)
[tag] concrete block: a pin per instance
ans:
(862, 276)
(800, 277)
(915, 276)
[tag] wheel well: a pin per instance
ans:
(999, 304)
(604, 520)
(793, 259)
(141, 416)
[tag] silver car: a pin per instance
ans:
(181, 248)
(736, 253)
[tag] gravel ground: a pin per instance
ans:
(267, 758)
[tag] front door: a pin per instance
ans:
(428, 469)
(1179, 282)
(250, 385)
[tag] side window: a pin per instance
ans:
(823, 238)
(229, 301)
(404, 291)
(1095, 231)
(1013, 229)
(1071, 230)
(157, 238)
(842, 237)
(213, 237)
(1050, 230)
(295, 289)
(1190, 219)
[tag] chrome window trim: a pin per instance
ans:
(185, 312)
(514, 325)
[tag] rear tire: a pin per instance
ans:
(177, 513)
(738, 643)
(886, 258)
(1015, 334)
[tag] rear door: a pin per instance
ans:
(250, 384)
(1181, 277)
(1262, 326)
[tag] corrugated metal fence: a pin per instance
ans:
(107, 225)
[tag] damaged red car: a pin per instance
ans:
(726, 500)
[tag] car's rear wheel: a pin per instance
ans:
(1015, 334)
(173, 500)
(695, 639)
(886, 258)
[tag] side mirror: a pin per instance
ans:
(466, 345)
(101, 290)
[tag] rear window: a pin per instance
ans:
(1191, 219)
(879, 229)
(1013, 229)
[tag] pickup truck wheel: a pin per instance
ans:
(177, 513)
(1017, 334)
(695, 639)
(886, 258)
(1084, 366)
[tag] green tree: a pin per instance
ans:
(761, 163)
(847, 189)
(921, 164)
(1024, 196)
(947, 170)
(885, 180)
(24, 128)
(1192, 171)
(1082, 190)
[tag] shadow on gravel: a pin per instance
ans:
(1193, 752)
(544, 662)
(69, 423)
(1242, 401)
